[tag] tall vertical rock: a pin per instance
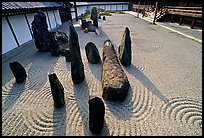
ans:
(77, 66)
(57, 90)
(94, 16)
(41, 34)
(125, 52)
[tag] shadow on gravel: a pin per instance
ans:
(146, 82)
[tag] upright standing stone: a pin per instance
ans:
(125, 49)
(94, 16)
(104, 17)
(77, 66)
(41, 34)
(18, 71)
(92, 53)
(115, 83)
(57, 90)
(96, 114)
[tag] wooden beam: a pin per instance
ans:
(197, 15)
(189, 11)
(186, 8)
(193, 23)
(75, 8)
(181, 20)
(172, 17)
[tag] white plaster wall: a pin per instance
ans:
(49, 27)
(125, 7)
(119, 7)
(57, 15)
(107, 7)
(52, 19)
(30, 17)
(8, 41)
(20, 28)
(113, 7)
(102, 6)
(80, 10)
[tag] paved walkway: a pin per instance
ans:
(194, 34)
(165, 95)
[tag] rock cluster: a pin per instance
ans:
(87, 26)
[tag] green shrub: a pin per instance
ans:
(106, 13)
(120, 12)
(99, 10)
(87, 14)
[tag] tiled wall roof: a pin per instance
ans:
(29, 5)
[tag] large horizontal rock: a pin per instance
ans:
(115, 83)
(96, 114)
(18, 71)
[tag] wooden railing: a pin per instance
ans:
(195, 12)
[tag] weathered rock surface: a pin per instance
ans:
(94, 16)
(59, 42)
(87, 26)
(60, 39)
(67, 55)
(125, 53)
(18, 71)
(41, 34)
(115, 83)
(77, 66)
(96, 115)
(57, 90)
(92, 53)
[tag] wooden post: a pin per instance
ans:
(172, 17)
(68, 10)
(193, 23)
(181, 20)
(138, 9)
(155, 13)
(75, 9)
